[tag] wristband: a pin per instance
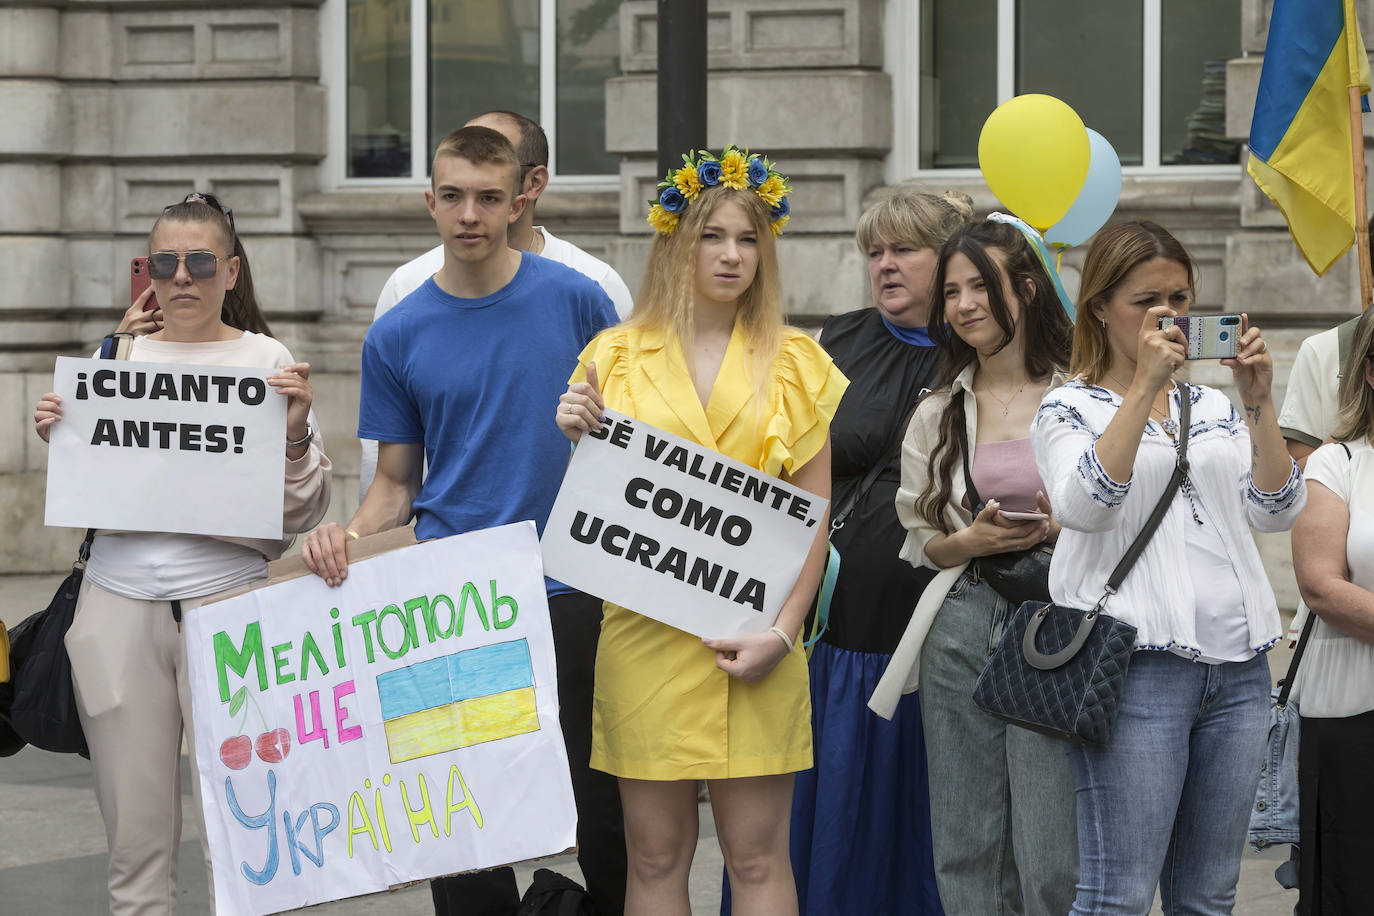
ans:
(353, 534)
(781, 634)
(303, 440)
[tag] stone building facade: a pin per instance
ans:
(112, 109)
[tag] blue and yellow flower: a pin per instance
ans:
(737, 169)
(772, 190)
(708, 170)
(663, 221)
(758, 172)
(672, 200)
(734, 169)
(685, 180)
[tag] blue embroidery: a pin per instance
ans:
(1101, 487)
(1063, 412)
(1279, 500)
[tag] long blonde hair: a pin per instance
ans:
(1357, 398)
(667, 297)
(1115, 252)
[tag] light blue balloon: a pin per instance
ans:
(1097, 200)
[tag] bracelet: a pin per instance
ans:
(353, 534)
(303, 440)
(782, 634)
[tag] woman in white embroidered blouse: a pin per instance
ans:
(1333, 555)
(1167, 802)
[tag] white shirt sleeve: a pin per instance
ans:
(1084, 497)
(1301, 418)
(620, 293)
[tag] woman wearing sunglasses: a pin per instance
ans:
(128, 657)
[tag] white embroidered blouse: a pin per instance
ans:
(1101, 516)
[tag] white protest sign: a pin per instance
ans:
(677, 532)
(159, 447)
(399, 727)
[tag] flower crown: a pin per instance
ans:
(734, 169)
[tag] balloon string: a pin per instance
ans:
(1059, 260)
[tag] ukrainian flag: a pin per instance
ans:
(1300, 147)
(456, 701)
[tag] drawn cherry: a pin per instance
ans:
(273, 745)
(236, 752)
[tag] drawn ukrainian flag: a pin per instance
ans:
(1300, 147)
(458, 700)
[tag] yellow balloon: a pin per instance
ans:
(1034, 154)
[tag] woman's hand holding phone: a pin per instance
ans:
(1160, 352)
(1253, 367)
(140, 320)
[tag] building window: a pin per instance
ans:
(417, 69)
(1149, 75)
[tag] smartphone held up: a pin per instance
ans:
(1208, 336)
(139, 280)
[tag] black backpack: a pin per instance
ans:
(552, 894)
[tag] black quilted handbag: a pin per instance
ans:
(1060, 670)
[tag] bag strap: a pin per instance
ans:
(975, 502)
(841, 513)
(1287, 682)
(1286, 685)
(1162, 506)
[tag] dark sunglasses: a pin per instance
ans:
(201, 265)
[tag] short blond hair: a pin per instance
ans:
(905, 213)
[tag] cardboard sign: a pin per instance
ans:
(159, 447)
(670, 529)
(402, 726)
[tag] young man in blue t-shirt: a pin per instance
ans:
(464, 374)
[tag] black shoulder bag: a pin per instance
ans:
(1017, 575)
(1060, 670)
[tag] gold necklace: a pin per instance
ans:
(1006, 405)
(1164, 419)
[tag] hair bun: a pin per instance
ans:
(961, 202)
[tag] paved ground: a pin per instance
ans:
(52, 844)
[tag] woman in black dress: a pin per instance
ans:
(861, 816)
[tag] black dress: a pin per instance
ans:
(876, 591)
(860, 834)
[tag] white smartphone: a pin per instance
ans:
(1023, 516)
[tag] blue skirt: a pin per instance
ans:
(860, 838)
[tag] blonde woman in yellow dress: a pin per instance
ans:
(706, 356)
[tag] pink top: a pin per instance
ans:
(1005, 471)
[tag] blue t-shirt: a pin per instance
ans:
(477, 382)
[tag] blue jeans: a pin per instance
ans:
(1167, 802)
(1001, 797)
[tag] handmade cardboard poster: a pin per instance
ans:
(159, 447)
(399, 727)
(675, 531)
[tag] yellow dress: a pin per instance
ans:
(662, 709)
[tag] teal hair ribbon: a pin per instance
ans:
(1043, 253)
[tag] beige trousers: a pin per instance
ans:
(129, 667)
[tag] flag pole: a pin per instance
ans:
(1361, 208)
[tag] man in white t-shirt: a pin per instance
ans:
(532, 148)
(1311, 406)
